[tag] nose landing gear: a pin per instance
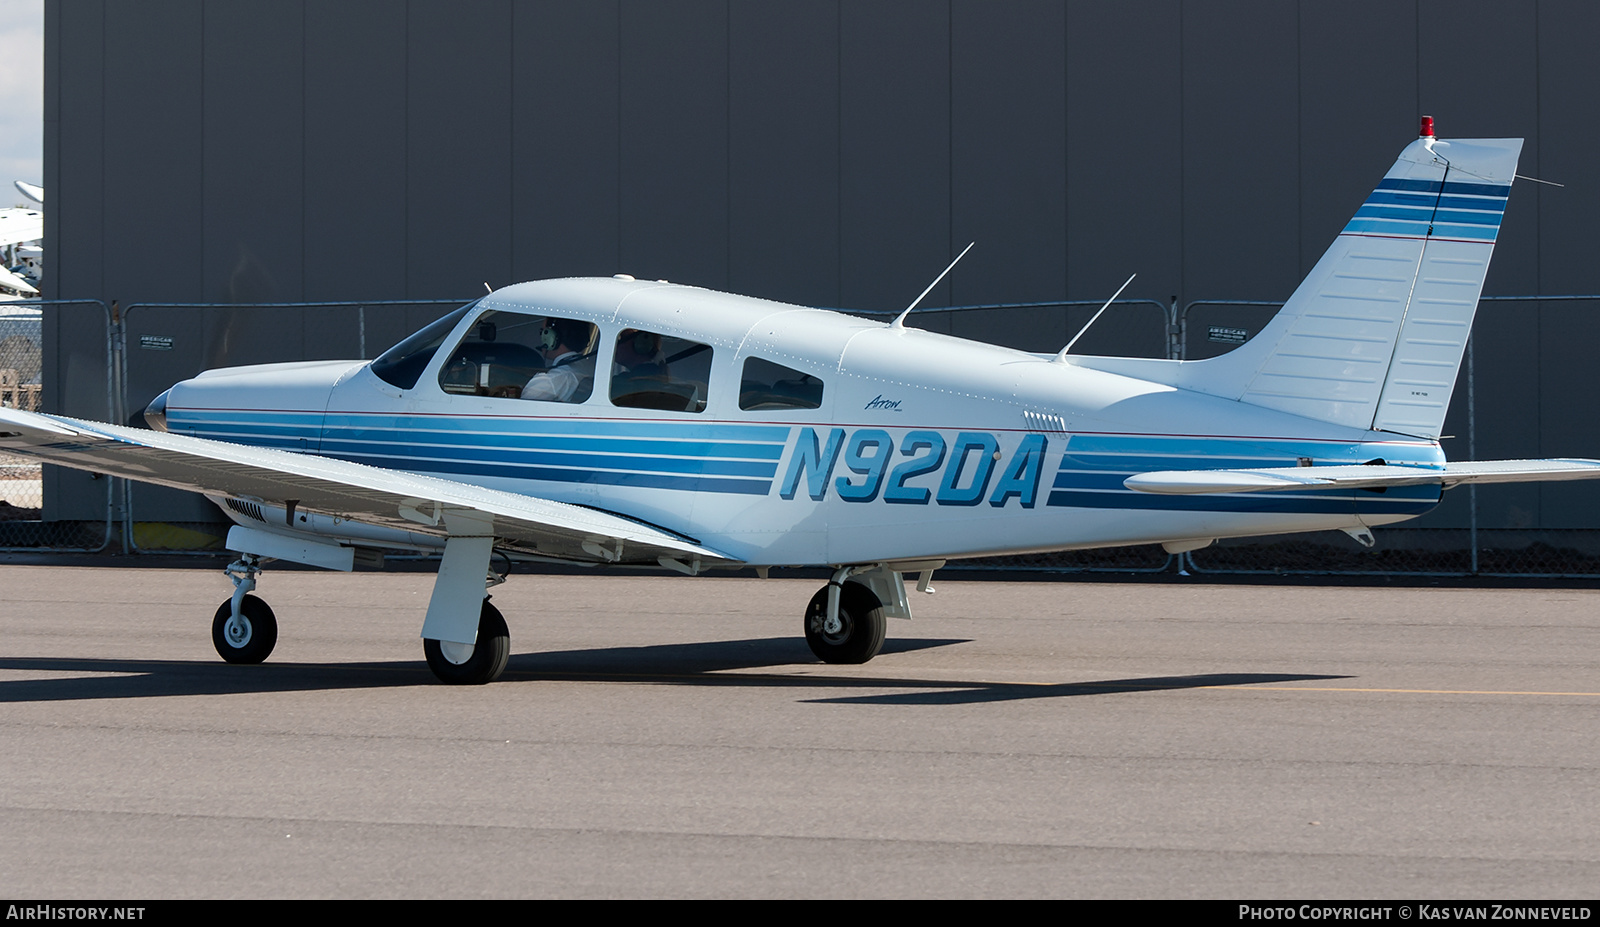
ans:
(244, 629)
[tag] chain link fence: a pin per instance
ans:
(21, 363)
(1401, 551)
(23, 522)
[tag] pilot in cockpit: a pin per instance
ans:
(565, 345)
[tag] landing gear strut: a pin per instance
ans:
(244, 630)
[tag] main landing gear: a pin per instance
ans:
(855, 634)
(846, 620)
(477, 663)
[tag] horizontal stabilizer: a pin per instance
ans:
(1361, 476)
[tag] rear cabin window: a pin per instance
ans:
(654, 371)
(512, 355)
(766, 385)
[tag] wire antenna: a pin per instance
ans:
(900, 320)
(1062, 357)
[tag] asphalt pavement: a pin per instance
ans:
(674, 737)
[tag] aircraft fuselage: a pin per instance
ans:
(903, 445)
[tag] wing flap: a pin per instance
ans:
(357, 492)
(1361, 476)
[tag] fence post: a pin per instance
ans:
(1175, 339)
(116, 401)
(1472, 454)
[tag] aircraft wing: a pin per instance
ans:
(19, 225)
(370, 495)
(1361, 476)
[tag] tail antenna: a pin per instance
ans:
(1062, 357)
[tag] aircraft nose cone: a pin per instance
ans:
(155, 414)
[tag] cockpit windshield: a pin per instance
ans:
(402, 365)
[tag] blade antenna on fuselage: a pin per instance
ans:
(900, 320)
(1062, 357)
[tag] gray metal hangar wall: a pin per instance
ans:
(829, 153)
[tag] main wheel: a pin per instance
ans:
(473, 664)
(251, 638)
(859, 634)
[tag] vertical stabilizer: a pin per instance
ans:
(1374, 335)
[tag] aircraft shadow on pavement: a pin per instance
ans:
(706, 663)
(683, 664)
(948, 692)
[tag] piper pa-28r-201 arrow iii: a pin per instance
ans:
(615, 421)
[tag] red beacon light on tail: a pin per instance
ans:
(1427, 127)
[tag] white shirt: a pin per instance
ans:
(558, 383)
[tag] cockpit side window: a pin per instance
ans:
(766, 385)
(402, 365)
(654, 371)
(514, 355)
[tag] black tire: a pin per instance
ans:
(253, 640)
(863, 625)
(489, 654)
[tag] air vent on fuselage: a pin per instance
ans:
(1044, 421)
(247, 509)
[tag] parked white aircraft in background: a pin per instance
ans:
(615, 421)
(19, 278)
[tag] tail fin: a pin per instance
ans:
(1374, 335)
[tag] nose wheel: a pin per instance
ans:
(855, 635)
(244, 630)
(248, 637)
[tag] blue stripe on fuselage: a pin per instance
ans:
(721, 457)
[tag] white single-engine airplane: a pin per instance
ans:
(618, 421)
